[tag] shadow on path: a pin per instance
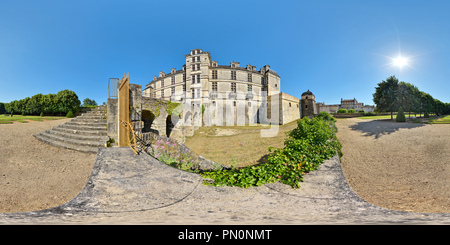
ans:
(382, 127)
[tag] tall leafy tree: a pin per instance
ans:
(385, 96)
(66, 100)
(89, 102)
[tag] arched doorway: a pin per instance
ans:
(147, 117)
(169, 125)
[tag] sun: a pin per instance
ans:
(400, 61)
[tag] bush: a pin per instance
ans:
(70, 114)
(426, 114)
(342, 110)
(42, 114)
(361, 112)
(351, 111)
(326, 116)
(400, 116)
(369, 114)
(307, 146)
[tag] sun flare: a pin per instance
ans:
(400, 61)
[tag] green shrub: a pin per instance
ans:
(70, 114)
(361, 112)
(426, 114)
(342, 110)
(326, 116)
(42, 114)
(307, 146)
(369, 114)
(400, 116)
(351, 111)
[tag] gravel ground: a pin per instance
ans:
(399, 166)
(34, 175)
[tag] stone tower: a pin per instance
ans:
(308, 102)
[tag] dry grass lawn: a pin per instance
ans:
(236, 145)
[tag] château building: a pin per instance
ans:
(229, 91)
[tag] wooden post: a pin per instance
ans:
(124, 110)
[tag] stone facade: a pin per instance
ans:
(223, 94)
(346, 104)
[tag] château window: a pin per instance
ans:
(193, 93)
(193, 79)
(173, 80)
(173, 90)
(162, 83)
(233, 87)
(214, 86)
(184, 87)
(214, 74)
(233, 75)
(249, 88)
(162, 93)
(249, 77)
(184, 77)
(198, 78)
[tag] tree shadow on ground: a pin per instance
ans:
(379, 128)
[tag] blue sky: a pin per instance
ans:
(337, 49)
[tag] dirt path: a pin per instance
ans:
(399, 166)
(34, 175)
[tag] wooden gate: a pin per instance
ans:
(124, 110)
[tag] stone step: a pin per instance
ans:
(87, 123)
(91, 117)
(102, 138)
(66, 145)
(82, 132)
(80, 119)
(83, 127)
(90, 143)
(85, 133)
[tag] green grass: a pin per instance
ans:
(440, 120)
(242, 148)
(7, 119)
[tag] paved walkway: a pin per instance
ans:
(128, 189)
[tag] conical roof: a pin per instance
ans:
(307, 93)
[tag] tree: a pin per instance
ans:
(89, 102)
(385, 96)
(2, 108)
(400, 116)
(66, 100)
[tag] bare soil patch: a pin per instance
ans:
(35, 175)
(399, 166)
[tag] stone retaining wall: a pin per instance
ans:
(175, 147)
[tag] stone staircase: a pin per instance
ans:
(85, 133)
